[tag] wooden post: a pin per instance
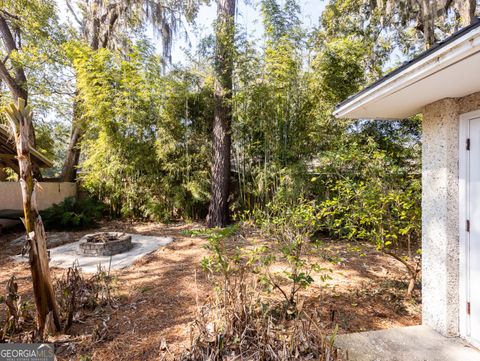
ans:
(19, 119)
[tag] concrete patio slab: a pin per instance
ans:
(64, 256)
(54, 239)
(416, 343)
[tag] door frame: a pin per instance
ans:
(463, 211)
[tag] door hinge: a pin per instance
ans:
(468, 225)
(468, 308)
(468, 143)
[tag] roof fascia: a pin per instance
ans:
(459, 49)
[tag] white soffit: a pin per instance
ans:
(450, 70)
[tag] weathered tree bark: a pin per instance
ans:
(428, 21)
(20, 119)
(72, 158)
(17, 83)
(69, 171)
(413, 270)
(466, 9)
(16, 79)
(3, 175)
(220, 191)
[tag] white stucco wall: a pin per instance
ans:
(49, 194)
(440, 237)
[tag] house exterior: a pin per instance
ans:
(444, 85)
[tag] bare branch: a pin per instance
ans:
(74, 14)
(17, 91)
(9, 14)
(410, 269)
(7, 35)
(20, 79)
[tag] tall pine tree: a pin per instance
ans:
(224, 54)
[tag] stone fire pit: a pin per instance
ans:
(105, 244)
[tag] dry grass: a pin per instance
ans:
(242, 324)
(156, 298)
(77, 293)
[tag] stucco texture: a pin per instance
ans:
(440, 236)
(48, 193)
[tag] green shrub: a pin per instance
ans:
(72, 213)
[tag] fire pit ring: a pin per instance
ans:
(105, 244)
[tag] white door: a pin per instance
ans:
(472, 251)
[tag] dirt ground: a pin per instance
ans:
(157, 297)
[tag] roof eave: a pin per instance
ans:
(459, 47)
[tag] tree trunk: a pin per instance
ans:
(16, 82)
(412, 271)
(466, 9)
(3, 175)
(19, 120)
(72, 158)
(411, 285)
(428, 15)
(220, 190)
(69, 170)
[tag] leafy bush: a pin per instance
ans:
(72, 213)
(381, 204)
(290, 228)
(244, 321)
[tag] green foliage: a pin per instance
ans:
(382, 202)
(71, 214)
(51, 140)
(281, 22)
(247, 320)
(147, 144)
(39, 38)
(372, 190)
(379, 212)
(272, 129)
(220, 260)
(146, 148)
(146, 151)
(339, 69)
(288, 230)
(291, 227)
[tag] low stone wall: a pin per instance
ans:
(119, 243)
(48, 194)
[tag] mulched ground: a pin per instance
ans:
(157, 298)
